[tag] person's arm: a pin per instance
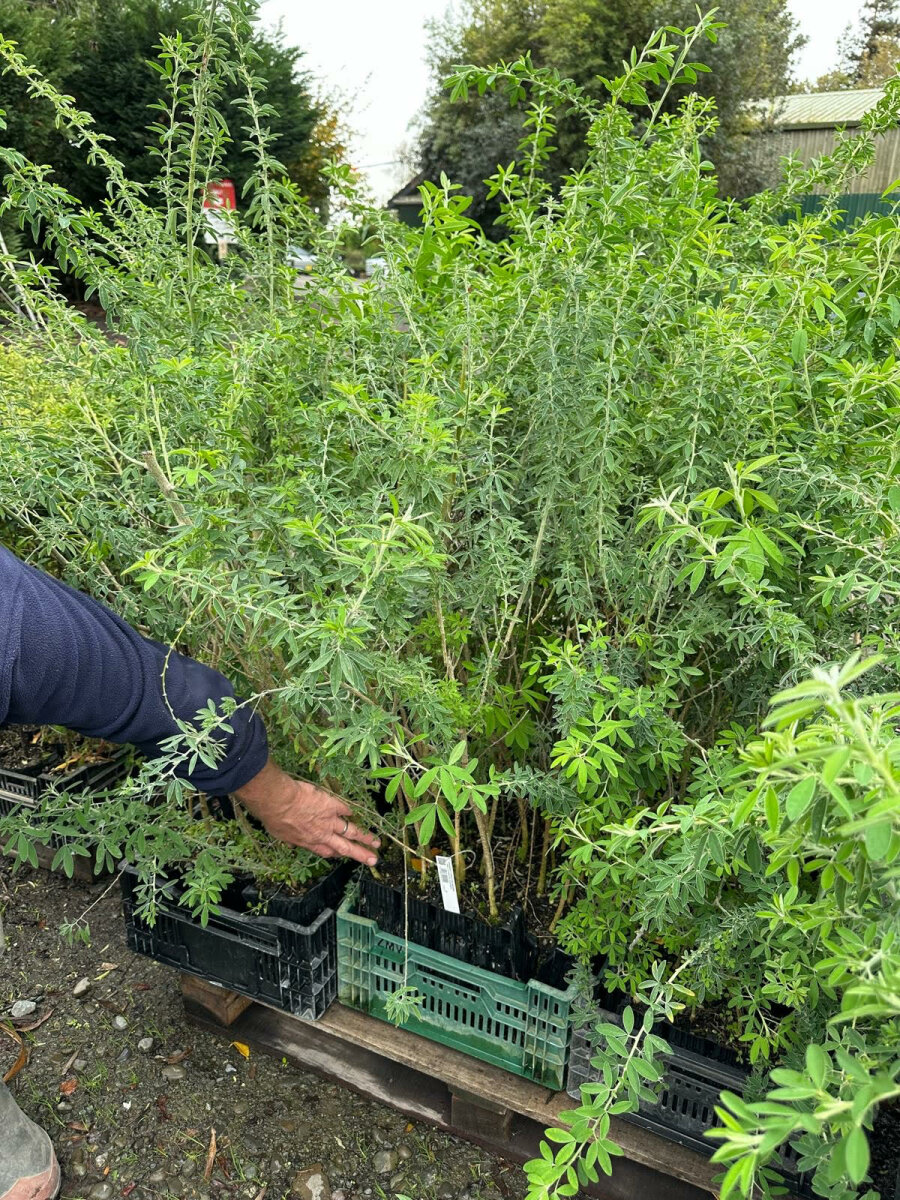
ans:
(71, 661)
(67, 660)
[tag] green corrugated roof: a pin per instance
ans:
(822, 110)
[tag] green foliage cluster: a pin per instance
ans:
(586, 41)
(525, 533)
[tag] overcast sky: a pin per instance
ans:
(373, 51)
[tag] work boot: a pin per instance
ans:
(28, 1166)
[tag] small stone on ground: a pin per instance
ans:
(386, 1161)
(311, 1184)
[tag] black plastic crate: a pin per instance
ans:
(21, 791)
(697, 1071)
(286, 958)
(507, 949)
(16, 787)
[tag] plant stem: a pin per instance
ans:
(545, 854)
(523, 824)
(241, 817)
(459, 864)
(492, 820)
(166, 487)
(531, 842)
(487, 856)
(20, 291)
(560, 908)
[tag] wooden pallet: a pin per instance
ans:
(445, 1088)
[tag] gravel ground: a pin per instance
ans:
(130, 1093)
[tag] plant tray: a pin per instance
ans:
(522, 1027)
(696, 1072)
(507, 949)
(285, 958)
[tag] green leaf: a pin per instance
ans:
(773, 814)
(855, 667)
(426, 829)
(817, 1064)
(738, 1178)
(835, 763)
(426, 781)
(419, 813)
(555, 1134)
(856, 1154)
(64, 858)
(697, 576)
(798, 345)
(878, 840)
(446, 823)
(449, 789)
(456, 753)
(799, 798)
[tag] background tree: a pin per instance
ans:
(752, 60)
(868, 52)
(880, 20)
(468, 139)
(98, 50)
(584, 39)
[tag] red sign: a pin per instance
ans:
(220, 194)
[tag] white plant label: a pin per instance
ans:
(448, 882)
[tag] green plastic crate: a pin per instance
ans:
(522, 1027)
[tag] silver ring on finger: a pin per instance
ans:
(346, 826)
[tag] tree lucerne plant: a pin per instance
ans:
(550, 544)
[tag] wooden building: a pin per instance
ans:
(807, 125)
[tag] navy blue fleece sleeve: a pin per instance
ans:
(67, 660)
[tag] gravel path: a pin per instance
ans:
(130, 1093)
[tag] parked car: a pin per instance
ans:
(301, 260)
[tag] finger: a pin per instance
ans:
(353, 850)
(353, 833)
(323, 849)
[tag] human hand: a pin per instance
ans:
(302, 814)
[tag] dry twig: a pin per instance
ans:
(210, 1155)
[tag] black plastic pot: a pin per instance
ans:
(507, 949)
(286, 958)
